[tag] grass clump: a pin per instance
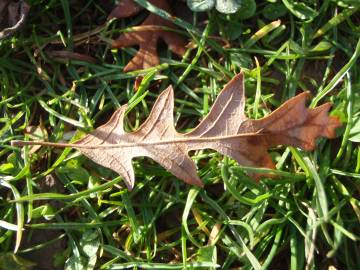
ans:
(77, 215)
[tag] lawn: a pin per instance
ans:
(60, 79)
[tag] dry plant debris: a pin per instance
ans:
(225, 129)
(12, 16)
(147, 35)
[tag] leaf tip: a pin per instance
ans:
(238, 79)
(333, 122)
(239, 76)
(168, 93)
(196, 182)
(130, 186)
(129, 180)
(169, 90)
(235, 85)
(306, 95)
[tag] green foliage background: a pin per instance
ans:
(59, 208)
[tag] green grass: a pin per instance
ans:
(307, 218)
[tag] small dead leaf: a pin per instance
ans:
(225, 129)
(12, 16)
(147, 36)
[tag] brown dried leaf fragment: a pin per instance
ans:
(147, 38)
(12, 16)
(65, 56)
(225, 129)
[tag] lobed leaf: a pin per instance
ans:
(225, 129)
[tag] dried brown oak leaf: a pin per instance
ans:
(12, 16)
(147, 39)
(225, 129)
